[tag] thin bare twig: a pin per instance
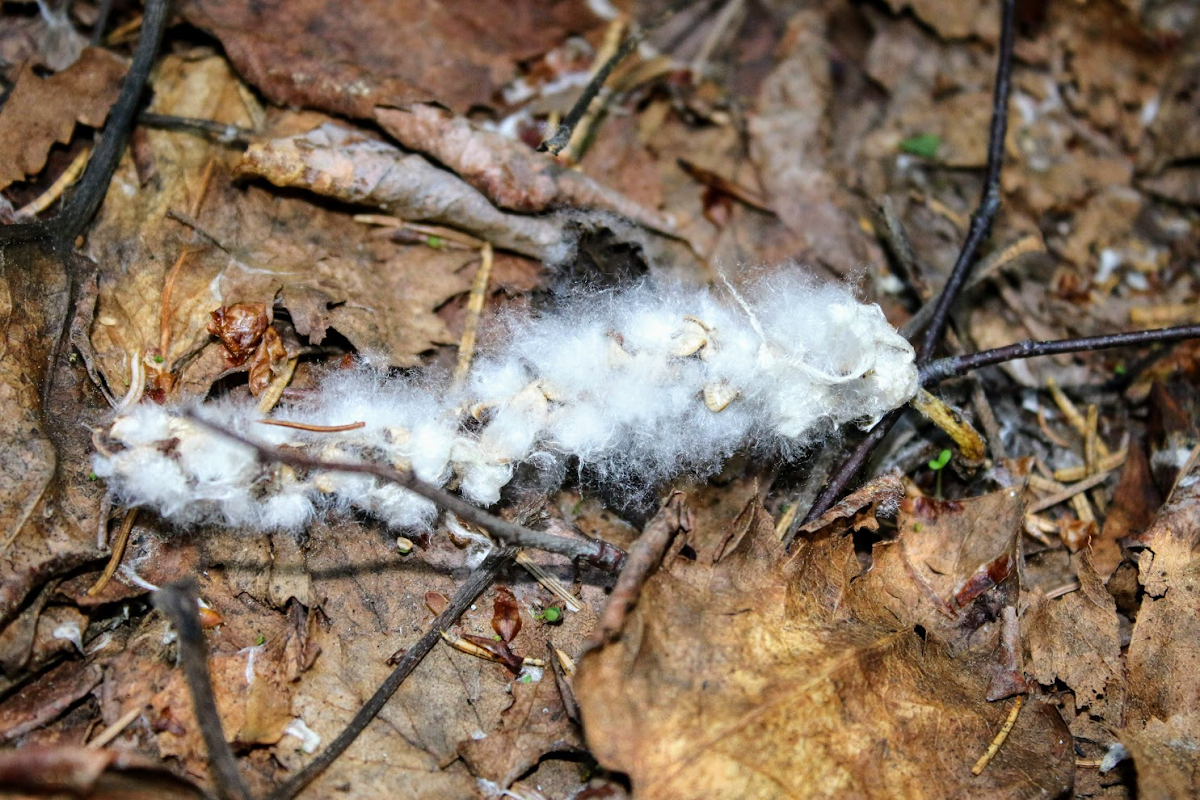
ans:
(943, 368)
(596, 552)
(467, 594)
(981, 225)
(179, 601)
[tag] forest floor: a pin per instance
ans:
(260, 232)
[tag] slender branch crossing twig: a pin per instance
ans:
(943, 368)
(596, 552)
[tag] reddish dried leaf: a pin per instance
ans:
(87, 772)
(436, 602)
(506, 616)
(499, 649)
(42, 111)
(240, 328)
(347, 59)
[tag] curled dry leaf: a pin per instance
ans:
(338, 162)
(42, 111)
(240, 328)
(507, 171)
(90, 772)
(777, 675)
(506, 617)
(268, 361)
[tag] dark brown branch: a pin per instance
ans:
(644, 557)
(85, 199)
(179, 601)
(467, 594)
(981, 225)
(222, 132)
(596, 552)
(989, 200)
(952, 366)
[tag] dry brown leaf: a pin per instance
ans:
(1076, 639)
(789, 143)
(1162, 728)
(507, 171)
(42, 111)
(46, 698)
(954, 20)
(381, 296)
(336, 161)
(349, 59)
(768, 675)
(49, 510)
(535, 724)
(506, 617)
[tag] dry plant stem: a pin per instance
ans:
(179, 601)
(952, 366)
(476, 583)
(598, 553)
(118, 553)
(644, 558)
(223, 132)
(981, 225)
(79, 207)
(466, 346)
(998, 742)
(562, 136)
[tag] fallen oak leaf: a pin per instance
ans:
(765, 675)
(348, 165)
(240, 327)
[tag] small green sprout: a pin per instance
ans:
(434, 241)
(916, 527)
(937, 465)
(159, 359)
(551, 615)
(924, 145)
(526, 678)
(260, 640)
(93, 476)
(1119, 370)
(495, 637)
(942, 460)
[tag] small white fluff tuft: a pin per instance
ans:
(638, 386)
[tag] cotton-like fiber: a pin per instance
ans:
(639, 386)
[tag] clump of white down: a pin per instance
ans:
(640, 386)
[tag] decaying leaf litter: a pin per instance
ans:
(1044, 592)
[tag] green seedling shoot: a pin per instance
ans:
(937, 466)
(551, 615)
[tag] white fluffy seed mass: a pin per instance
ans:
(636, 386)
